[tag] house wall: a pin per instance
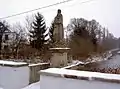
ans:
(14, 77)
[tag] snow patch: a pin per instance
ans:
(33, 86)
(62, 71)
(11, 62)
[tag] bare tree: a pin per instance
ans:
(28, 22)
(85, 36)
(3, 28)
(18, 37)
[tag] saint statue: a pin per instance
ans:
(58, 27)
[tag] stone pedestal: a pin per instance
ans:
(59, 57)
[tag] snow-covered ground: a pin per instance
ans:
(74, 64)
(113, 62)
(33, 86)
(93, 59)
(98, 58)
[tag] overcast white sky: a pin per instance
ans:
(106, 12)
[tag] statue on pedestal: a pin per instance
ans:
(59, 51)
(58, 27)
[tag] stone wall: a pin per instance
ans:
(13, 75)
(34, 69)
(57, 78)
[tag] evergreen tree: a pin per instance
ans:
(38, 33)
(51, 30)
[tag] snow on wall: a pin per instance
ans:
(54, 78)
(50, 82)
(14, 77)
(1, 88)
(11, 63)
(33, 86)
